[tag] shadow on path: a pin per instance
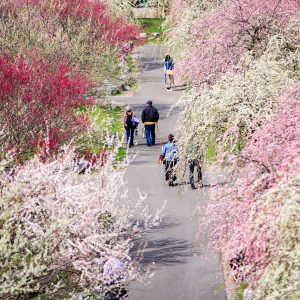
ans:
(168, 251)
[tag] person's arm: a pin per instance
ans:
(143, 116)
(164, 150)
(124, 120)
(156, 115)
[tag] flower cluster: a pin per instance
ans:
(59, 228)
(227, 113)
(66, 223)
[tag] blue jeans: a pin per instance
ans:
(150, 134)
(169, 170)
(195, 164)
(129, 135)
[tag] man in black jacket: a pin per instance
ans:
(150, 117)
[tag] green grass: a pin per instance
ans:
(105, 120)
(240, 290)
(121, 154)
(118, 93)
(131, 63)
(116, 114)
(151, 25)
(108, 117)
(210, 154)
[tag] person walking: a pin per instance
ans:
(130, 125)
(169, 71)
(169, 156)
(150, 117)
(195, 159)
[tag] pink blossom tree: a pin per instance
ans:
(40, 96)
(241, 59)
(221, 36)
(248, 213)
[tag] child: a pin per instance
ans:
(169, 154)
(130, 124)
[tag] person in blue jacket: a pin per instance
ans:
(169, 154)
(130, 125)
(169, 71)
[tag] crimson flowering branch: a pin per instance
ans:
(255, 161)
(38, 106)
(79, 32)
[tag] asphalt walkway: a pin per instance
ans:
(184, 267)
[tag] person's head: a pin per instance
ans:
(128, 109)
(149, 102)
(170, 137)
(168, 56)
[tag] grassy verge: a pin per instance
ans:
(240, 290)
(131, 63)
(151, 26)
(210, 154)
(105, 122)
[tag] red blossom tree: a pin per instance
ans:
(82, 33)
(38, 105)
(114, 31)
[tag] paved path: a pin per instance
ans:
(184, 267)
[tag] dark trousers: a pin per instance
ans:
(169, 170)
(150, 134)
(129, 135)
(195, 163)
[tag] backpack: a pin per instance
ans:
(135, 121)
(128, 120)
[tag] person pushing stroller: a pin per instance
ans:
(169, 71)
(169, 157)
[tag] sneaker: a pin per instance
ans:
(201, 184)
(170, 183)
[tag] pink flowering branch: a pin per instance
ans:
(242, 220)
(223, 35)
